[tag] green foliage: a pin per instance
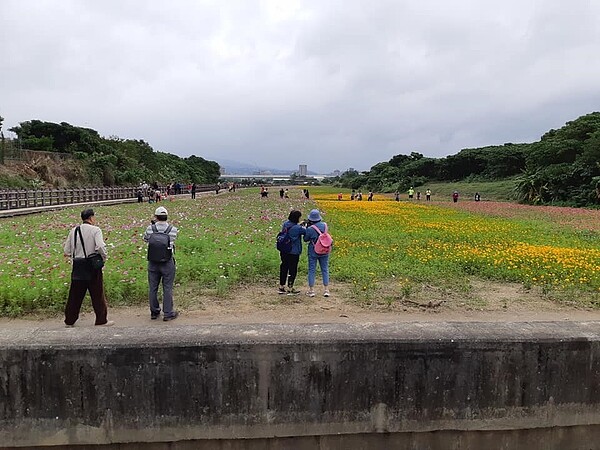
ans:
(561, 168)
(114, 161)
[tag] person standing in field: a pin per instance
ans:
(455, 196)
(411, 193)
(193, 190)
(82, 241)
(428, 195)
(160, 236)
(311, 236)
(288, 269)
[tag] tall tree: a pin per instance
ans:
(2, 141)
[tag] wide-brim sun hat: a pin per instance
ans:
(161, 211)
(314, 216)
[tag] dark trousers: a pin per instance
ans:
(77, 293)
(289, 265)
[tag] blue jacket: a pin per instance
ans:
(311, 237)
(295, 231)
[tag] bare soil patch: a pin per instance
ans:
(485, 301)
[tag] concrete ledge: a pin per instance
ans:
(128, 385)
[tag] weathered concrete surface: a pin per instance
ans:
(527, 383)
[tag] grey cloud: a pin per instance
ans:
(331, 84)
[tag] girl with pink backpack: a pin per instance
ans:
(319, 247)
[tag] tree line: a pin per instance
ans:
(563, 167)
(114, 161)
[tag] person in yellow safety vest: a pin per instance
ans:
(411, 193)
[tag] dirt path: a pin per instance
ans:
(489, 302)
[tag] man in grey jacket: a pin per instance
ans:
(88, 279)
(161, 264)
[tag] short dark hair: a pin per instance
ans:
(295, 216)
(161, 218)
(87, 213)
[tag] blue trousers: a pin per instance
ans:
(312, 268)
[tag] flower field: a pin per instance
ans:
(228, 239)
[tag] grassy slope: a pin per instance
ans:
(501, 190)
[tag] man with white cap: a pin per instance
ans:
(160, 237)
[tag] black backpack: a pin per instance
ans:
(159, 245)
(284, 241)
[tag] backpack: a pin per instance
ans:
(159, 245)
(284, 241)
(324, 241)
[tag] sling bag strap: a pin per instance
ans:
(78, 231)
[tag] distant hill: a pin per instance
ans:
(241, 168)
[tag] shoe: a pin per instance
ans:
(69, 326)
(326, 294)
(171, 317)
(281, 291)
(292, 291)
(154, 316)
(311, 293)
(110, 323)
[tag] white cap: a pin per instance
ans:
(161, 211)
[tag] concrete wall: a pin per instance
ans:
(518, 385)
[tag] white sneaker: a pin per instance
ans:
(311, 293)
(326, 294)
(110, 323)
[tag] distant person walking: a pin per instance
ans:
(455, 196)
(288, 269)
(160, 236)
(281, 193)
(83, 241)
(193, 190)
(311, 236)
(428, 195)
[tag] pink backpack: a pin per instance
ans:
(324, 241)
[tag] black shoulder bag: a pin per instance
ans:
(84, 268)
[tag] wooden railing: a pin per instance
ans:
(24, 198)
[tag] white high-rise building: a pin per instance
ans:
(303, 170)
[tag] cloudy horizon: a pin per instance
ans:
(329, 84)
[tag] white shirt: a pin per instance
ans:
(92, 240)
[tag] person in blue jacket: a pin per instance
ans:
(311, 236)
(288, 269)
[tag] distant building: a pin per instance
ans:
(303, 170)
(222, 170)
(336, 173)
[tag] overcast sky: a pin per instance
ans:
(277, 83)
